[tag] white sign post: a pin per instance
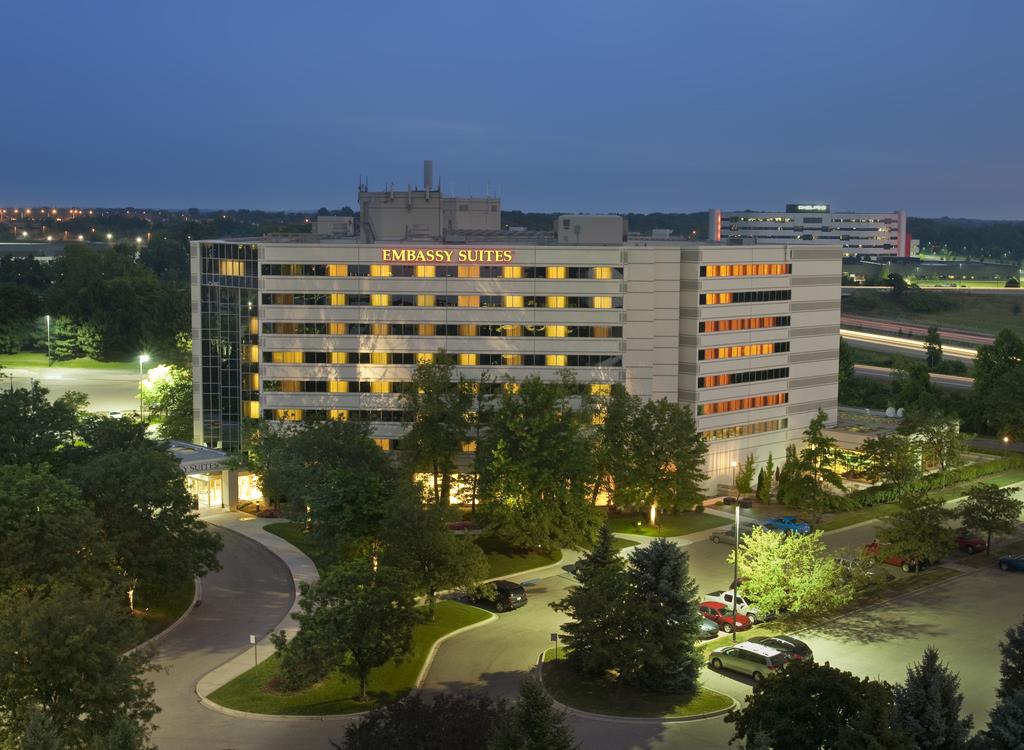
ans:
(255, 657)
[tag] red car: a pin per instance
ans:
(721, 615)
(906, 564)
(967, 541)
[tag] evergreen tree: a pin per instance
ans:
(1011, 668)
(659, 652)
(745, 476)
(928, 706)
(1005, 725)
(597, 618)
(534, 723)
(933, 348)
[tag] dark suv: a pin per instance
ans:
(507, 595)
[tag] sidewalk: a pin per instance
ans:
(302, 570)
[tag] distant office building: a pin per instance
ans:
(746, 336)
(868, 234)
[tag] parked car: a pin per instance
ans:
(743, 605)
(115, 414)
(793, 648)
(903, 562)
(969, 542)
(1012, 562)
(728, 536)
(752, 659)
(708, 628)
(787, 525)
(721, 615)
(506, 595)
(864, 570)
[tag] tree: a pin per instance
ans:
(811, 706)
(794, 573)
(1011, 666)
(928, 706)
(619, 410)
(534, 723)
(998, 391)
(659, 651)
(792, 484)
(745, 476)
(439, 402)
(450, 721)
(63, 653)
(598, 620)
(764, 480)
(939, 438)
(167, 394)
(899, 284)
(990, 509)
(538, 468)
(416, 540)
(1005, 725)
(892, 459)
(47, 533)
(354, 619)
(933, 347)
(32, 428)
(917, 531)
(847, 366)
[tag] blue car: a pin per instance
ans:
(787, 525)
(1012, 562)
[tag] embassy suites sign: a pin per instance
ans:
(443, 255)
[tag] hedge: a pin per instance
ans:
(931, 482)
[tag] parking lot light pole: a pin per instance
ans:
(1006, 444)
(736, 564)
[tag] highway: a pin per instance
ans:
(884, 343)
(947, 334)
(952, 382)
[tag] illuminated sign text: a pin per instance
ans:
(444, 255)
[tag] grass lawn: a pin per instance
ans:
(601, 697)
(985, 312)
(675, 524)
(850, 517)
(38, 359)
(292, 532)
(619, 544)
(1003, 478)
(158, 611)
(504, 560)
(338, 694)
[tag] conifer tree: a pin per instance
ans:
(1011, 668)
(928, 706)
(1005, 725)
(535, 723)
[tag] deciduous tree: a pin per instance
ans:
(917, 531)
(928, 706)
(933, 347)
(892, 459)
(167, 394)
(990, 509)
(939, 437)
(998, 391)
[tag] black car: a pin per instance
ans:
(792, 647)
(507, 595)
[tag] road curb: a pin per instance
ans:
(612, 719)
(529, 571)
(197, 598)
(429, 661)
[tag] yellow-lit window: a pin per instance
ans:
(555, 360)
(469, 447)
(512, 360)
(380, 386)
(469, 300)
(467, 329)
(380, 271)
(378, 358)
(556, 272)
(602, 303)
(338, 414)
(254, 326)
(602, 332)
(378, 329)
(557, 301)
(426, 329)
(337, 269)
(511, 387)
(512, 272)
(467, 359)
(254, 381)
(337, 386)
(424, 300)
(424, 358)
(252, 353)
(600, 389)
(469, 272)
(513, 300)
(289, 386)
(252, 409)
(288, 415)
(337, 329)
(555, 331)
(602, 272)
(232, 268)
(511, 330)
(287, 358)
(383, 443)
(339, 358)
(425, 272)
(380, 300)
(337, 299)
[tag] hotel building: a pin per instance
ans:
(876, 234)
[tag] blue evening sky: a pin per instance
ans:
(556, 106)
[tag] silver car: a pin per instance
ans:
(752, 659)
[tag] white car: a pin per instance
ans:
(743, 606)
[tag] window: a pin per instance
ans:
(743, 324)
(738, 378)
(469, 272)
(425, 272)
(742, 350)
(556, 272)
(232, 268)
(746, 269)
(379, 300)
(380, 271)
(761, 295)
(743, 404)
(753, 428)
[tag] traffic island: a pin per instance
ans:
(257, 691)
(602, 697)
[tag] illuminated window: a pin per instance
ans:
(337, 329)
(232, 268)
(514, 300)
(469, 300)
(602, 272)
(383, 443)
(337, 386)
(743, 404)
(289, 386)
(467, 329)
(424, 300)
(510, 387)
(339, 358)
(555, 360)
(337, 269)
(425, 272)
(512, 272)
(254, 383)
(512, 360)
(337, 299)
(467, 359)
(513, 330)
(288, 415)
(469, 447)
(378, 329)
(380, 386)
(602, 303)
(557, 301)
(338, 414)
(469, 272)
(252, 409)
(423, 358)
(555, 331)
(380, 271)
(426, 329)
(556, 272)
(254, 326)
(378, 358)
(252, 353)
(380, 300)
(600, 389)
(286, 357)
(602, 332)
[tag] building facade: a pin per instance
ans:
(746, 335)
(868, 234)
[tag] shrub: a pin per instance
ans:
(931, 482)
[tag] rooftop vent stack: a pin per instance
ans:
(428, 174)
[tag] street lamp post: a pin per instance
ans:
(48, 360)
(736, 563)
(1006, 444)
(734, 464)
(143, 358)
